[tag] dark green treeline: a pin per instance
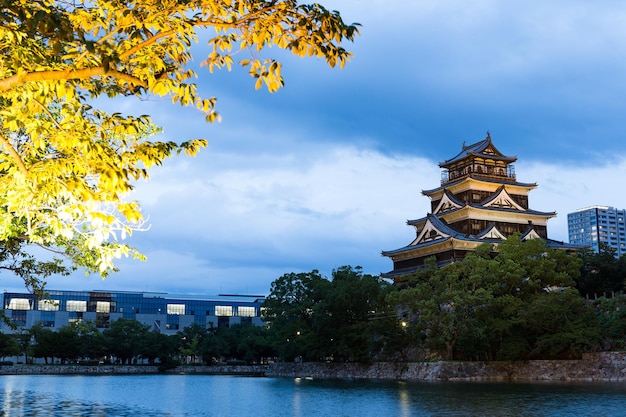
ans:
(526, 302)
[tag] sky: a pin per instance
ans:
(327, 171)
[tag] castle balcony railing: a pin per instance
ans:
(453, 176)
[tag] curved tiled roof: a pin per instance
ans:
(478, 206)
(478, 149)
(444, 229)
(479, 178)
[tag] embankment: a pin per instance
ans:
(607, 366)
(254, 370)
(601, 367)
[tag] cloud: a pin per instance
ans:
(235, 231)
(566, 188)
(326, 171)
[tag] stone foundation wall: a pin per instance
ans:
(75, 369)
(592, 367)
(128, 369)
(606, 366)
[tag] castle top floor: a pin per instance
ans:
(480, 160)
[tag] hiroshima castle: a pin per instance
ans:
(479, 200)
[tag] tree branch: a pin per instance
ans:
(200, 23)
(17, 80)
(16, 156)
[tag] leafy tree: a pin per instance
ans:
(346, 319)
(8, 346)
(561, 325)
(155, 345)
(67, 343)
(527, 273)
(14, 258)
(246, 342)
(446, 302)
(123, 339)
(24, 341)
(516, 305)
(602, 274)
(190, 340)
(66, 164)
(91, 340)
(45, 342)
(611, 314)
(214, 347)
(289, 312)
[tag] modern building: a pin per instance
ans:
(593, 225)
(163, 313)
(479, 200)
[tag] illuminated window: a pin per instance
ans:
(103, 307)
(246, 311)
(49, 305)
(224, 311)
(178, 309)
(74, 305)
(19, 304)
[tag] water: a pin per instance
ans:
(203, 395)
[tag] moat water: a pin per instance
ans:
(203, 395)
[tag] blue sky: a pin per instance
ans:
(326, 171)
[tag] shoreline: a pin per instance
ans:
(593, 367)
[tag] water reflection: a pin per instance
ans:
(198, 396)
(404, 403)
(31, 403)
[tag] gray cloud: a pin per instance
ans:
(326, 171)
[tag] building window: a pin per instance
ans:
(178, 309)
(74, 305)
(20, 304)
(49, 305)
(223, 311)
(246, 311)
(103, 307)
(18, 318)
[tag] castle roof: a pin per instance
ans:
(528, 212)
(479, 178)
(436, 231)
(483, 149)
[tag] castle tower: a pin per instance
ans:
(479, 200)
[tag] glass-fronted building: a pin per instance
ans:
(590, 226)
(162, 312)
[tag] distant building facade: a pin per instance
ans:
(593, 225)
(479, 200)
(163, 313)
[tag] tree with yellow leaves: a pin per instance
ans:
(66, 166)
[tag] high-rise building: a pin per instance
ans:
(478, 201)
(593, 225)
